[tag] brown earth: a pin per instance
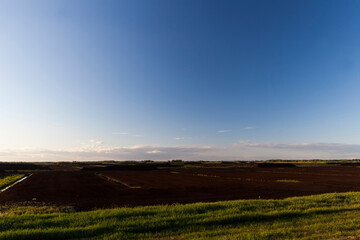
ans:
(99, 189)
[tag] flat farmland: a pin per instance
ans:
(62, 188)
(166, 185)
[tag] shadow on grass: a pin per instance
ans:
(57, 233)
(178, 226)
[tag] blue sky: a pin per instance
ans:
(93, 80)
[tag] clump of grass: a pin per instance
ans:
(206, 175)
(26, 208)
(288, 180)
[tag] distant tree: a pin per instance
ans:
(177, 161)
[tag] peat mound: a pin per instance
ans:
(275, 165)
(21, 166)
(351, 164)
(141, 167)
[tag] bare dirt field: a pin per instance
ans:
(87, 189)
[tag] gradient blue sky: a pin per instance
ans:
(93, 80)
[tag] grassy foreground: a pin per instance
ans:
(326, 216)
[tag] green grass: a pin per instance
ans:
(313, 217)
(8, 180)
(288, 180)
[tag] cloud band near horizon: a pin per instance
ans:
(243, 150)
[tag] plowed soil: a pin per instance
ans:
(101, 189)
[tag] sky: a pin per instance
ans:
(180, 79)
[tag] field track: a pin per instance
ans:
(98, 189)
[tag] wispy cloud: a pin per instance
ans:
(305, 146)
(96, 150)
(94, 141)
(266, 150)
(249, 128)
(153, 152)
(242, 150)
(181, 138)
(223, 131)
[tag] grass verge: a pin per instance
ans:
(312, 217)
(8, 180)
